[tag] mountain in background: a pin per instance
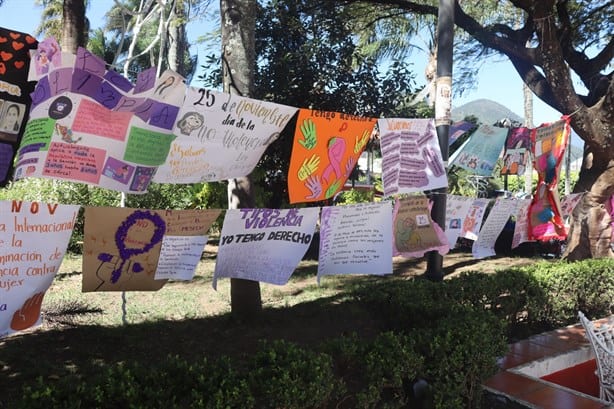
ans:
(488, 112)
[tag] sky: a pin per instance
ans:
(497, 79)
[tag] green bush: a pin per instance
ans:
(460, 352)
(170, 383)
(506, 293)
(455, 331)
(283, 375)
(447, 335)
(586, 285)
(378, 373)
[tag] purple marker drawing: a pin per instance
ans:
(126, 253)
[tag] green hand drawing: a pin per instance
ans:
(308, 129)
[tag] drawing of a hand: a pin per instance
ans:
(349, 166)
(309, 166)
(361, 141)
(308, 129)
(315, 186)
(28, 314)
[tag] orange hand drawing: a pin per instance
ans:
(28, 314)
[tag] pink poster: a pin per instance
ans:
(521, 229)
(473, 221)
(414, 232)
(549, 143)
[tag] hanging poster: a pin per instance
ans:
(356, 239)
(472, 223)
(521, 229)
(264, 244)
(326, 148)
(15, 90)
(220, 136)
(86, 126)
(411, 158)
(457, 209)
(414, 232)
(498, 217)
(33, 238)
(458, 129)
(517, 150)
(184, 242)
(480, 153)
(549, 143)
(122, 247)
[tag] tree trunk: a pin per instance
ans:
(177, 44)
(238, 61)
(590, 234)
(73, 19)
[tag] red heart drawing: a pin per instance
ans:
(19, 64)
(5, 56)
(17, 45)
(3, 39)
(2, 68)
(30, 39)
(15, 36)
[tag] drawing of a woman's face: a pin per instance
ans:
(191, 121)
(194, 121)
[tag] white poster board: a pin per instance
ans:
(356, 239)
(264, 244)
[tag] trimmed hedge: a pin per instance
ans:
(441, 341)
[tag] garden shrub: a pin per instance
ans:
(170, 383)
(377, 373)
(447, 334)
(284, 375)
(460, 352)
(459, 338)
(586, 285)
(505, 293)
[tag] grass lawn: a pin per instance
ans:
(84, 331)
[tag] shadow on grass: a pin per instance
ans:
(84, 349)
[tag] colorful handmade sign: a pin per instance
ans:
(458, 129)
(15, 92)
(498, 217)
(517, 150)
(88, 125)
(411, 158)
(472, 223)
(521, 228)
(356, 239)
(480, 153)
(264, 244)
(33, 237)
(326, 148)
(457, 209)
(124, 249)
(414, 232)
(220, 136)
(549, 143)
